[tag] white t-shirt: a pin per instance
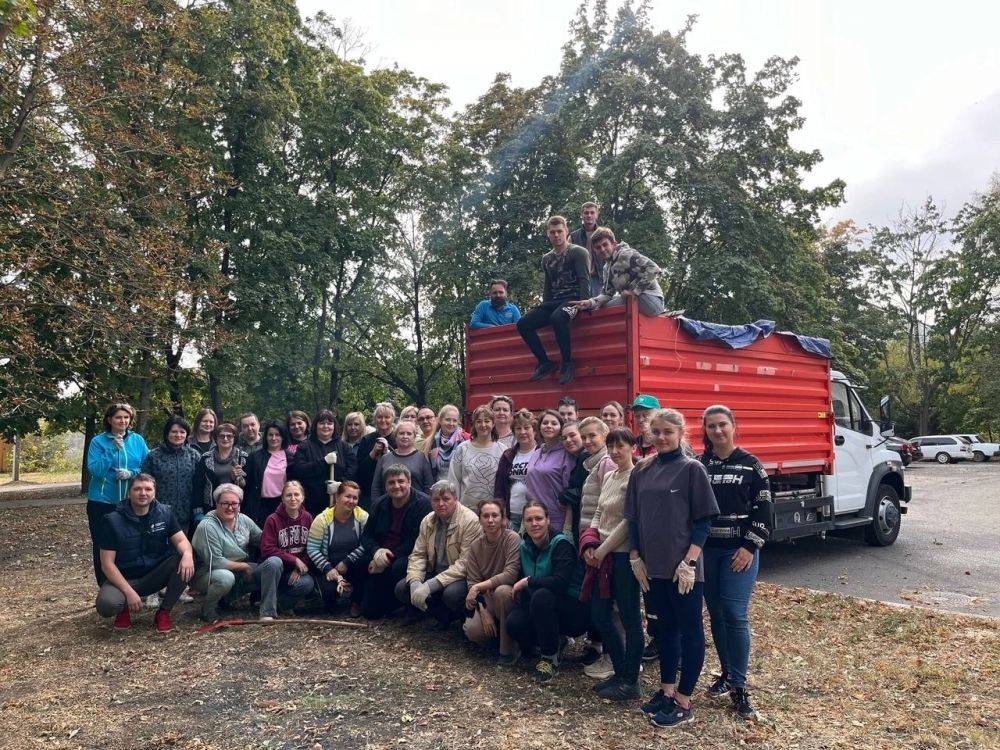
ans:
(518, 492)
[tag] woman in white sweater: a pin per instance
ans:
(612, 528)
(474, 463)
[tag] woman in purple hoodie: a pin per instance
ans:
(284, 562)
(549, 469)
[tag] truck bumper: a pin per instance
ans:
(907, 495)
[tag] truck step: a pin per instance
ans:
(850, 523)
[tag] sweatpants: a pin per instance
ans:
(625, 654)
(498, 603)
(444, 606)
(95, 521)
(682, 634)
(222, 583)
(356, 576)
(546, 314)
(111, 599)
(544, 617)
(379, 599)
(274, 583)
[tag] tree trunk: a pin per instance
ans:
(214, 396)
(318, 349)
(145, 386)
(89, 430)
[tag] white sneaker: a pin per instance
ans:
(600, 669)
(153, 601)
(266, 618)
(185, 597)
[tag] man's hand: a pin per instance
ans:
(742, 560)
(133, 600)
(628, 293)
(583, 304)
(520, 585)
(419, 594)
(380, 560)
(186, 569)
(470, 598)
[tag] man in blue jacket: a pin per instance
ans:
(497, 310)
(143, 550)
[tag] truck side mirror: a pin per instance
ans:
(887, 428)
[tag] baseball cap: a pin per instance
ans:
(645, 401)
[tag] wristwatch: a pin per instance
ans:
(692, 563)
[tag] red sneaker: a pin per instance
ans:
(162, 621)
(123, 621)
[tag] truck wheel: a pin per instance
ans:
(884, 527)
(978, 456)
(942, 458)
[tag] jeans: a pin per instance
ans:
(625, 656)
(444, 606)
(682, 635)
(727, 595)
(650, 305)
(111, 599)
(379, 598)
(274, 581)
(95, 520)
(546, 314)
(542, 616)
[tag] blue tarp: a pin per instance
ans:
(738, 337)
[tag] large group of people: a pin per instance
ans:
(524, 533)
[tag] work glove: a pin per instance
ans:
(639, 571)
(119, 442)
(331, 457)
(418, 595)
(124, 474)
(685, 576)
(332, 485)
(381, 559)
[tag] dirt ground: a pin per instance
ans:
(827, 672)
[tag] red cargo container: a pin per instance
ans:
(779, 392)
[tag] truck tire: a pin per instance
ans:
(942, 458)
(978, 456)
(886, 518)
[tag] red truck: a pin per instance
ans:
(830, 467)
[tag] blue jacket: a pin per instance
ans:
(104, 460)
(140, 544)
(485, 316)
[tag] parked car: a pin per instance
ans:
(943, 448)
(907, 450)
(981, 450)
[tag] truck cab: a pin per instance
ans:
(865, 493)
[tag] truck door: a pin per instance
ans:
(852, 448)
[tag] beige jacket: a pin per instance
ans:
(463, 530)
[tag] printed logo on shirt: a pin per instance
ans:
(292, 536)
(157, 527)
(726, 478)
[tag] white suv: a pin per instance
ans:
(943, 448)
(981, 450)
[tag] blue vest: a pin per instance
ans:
(140, 544)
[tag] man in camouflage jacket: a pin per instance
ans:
(627, 273)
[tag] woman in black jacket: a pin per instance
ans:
(372, 447)
(267, 472)
(313, 459)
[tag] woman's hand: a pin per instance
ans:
(301, 566)
(332, 574)
(742, 560)
(590, 558)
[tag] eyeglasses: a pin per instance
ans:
(231, 504)
(225, 436)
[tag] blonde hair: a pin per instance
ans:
(348, 418)
(428, 444)
(671, 417)
(595, 422)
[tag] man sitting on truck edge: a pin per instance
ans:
(566, 269)
(497, 310)
(627, 273)
(583, 238)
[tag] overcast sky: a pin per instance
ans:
(902, 99)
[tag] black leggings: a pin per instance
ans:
(546, 314)
(544, 618)
(95, 521)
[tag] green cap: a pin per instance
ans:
(645, 401)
